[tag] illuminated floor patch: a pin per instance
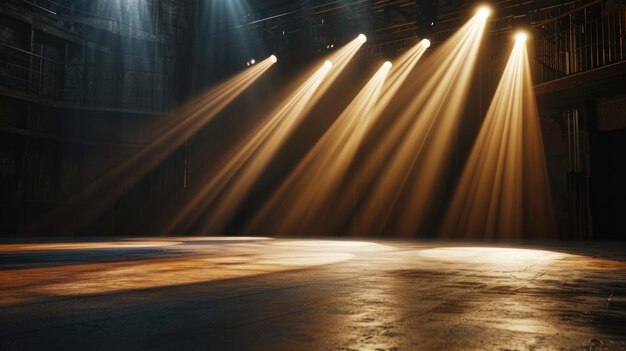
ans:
(263, 293)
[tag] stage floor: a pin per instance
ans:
(311, 294)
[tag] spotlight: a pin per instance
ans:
(252, 61)
(426, 15)
(483, 12)
(273, 59)
(520, 37)
(387, 65)
(425, 43)
(328, 64)
(248, 63)
(362, 38)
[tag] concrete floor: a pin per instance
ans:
(295, 294)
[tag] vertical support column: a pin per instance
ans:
(155, 83)
(60, 75)
(41, 69)
(577, 182)
(31, 48)
(83, 92)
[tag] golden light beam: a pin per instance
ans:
(215, 185)
(428, 122)
(169, 135)
(403, 66)
(396, 79)
(503, 191)
(538, 211)
(299, 203)
(340, 60)
(427, 183)
(224, 192)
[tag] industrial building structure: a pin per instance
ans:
(312, 174)
(82, 83)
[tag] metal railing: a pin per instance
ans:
(128, 15)
(45, 5)
(24, 71)
(91, 85)
(585, 38)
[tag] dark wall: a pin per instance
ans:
(79, 93)
(608, 184)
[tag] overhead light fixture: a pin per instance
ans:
(252, 61)
(387, 65)
(273, 59)
(521, 37)
(328, 64)
(426, 14)
(362, 38)
(483, 12)
(425, 43)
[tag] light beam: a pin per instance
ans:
(503, 191)
(300, 205)
(170, 134)
(224, 192)
(483, 12)
(402, 195)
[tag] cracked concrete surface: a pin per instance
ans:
(311, 294)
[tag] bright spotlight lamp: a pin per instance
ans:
(252, 61)
(362, 38)
(483, 12)
(273, 59)
(328, 64)
(387, 65)
(521, 37)
(425, 43)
